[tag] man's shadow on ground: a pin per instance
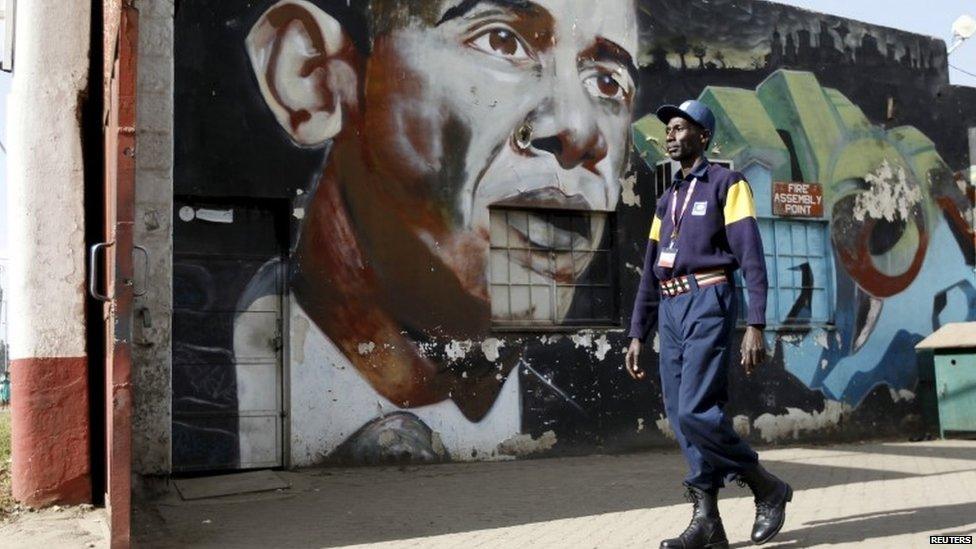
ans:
(942, 519)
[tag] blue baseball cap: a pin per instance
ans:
(692, 110)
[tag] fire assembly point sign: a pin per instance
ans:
(797, 199)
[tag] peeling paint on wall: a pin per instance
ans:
(901, 394)
(524, 445)
(629, 197)
(491, 347)
(889, 196)
(665, 427)
(602, 348)
(582, 339)
(741, 425)
(366, 348)
(774, 428)
(457, 350)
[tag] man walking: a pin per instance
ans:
(704, 228)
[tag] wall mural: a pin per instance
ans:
(446, 109)
(461, 211)
(882, 191)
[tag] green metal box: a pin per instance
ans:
(955, 386)
(954, 348)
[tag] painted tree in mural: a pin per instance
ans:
(887, 194)
(700, 51)
(681, 47)
(720, 58)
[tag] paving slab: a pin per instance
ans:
(227, 485)
(863, 495)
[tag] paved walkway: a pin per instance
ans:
(866, 495)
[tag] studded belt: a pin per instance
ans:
(682, 284)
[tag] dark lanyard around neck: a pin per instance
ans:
(677, 217)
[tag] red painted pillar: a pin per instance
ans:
(50, 428)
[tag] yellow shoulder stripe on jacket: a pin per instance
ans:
(655, 229)
(739, 203)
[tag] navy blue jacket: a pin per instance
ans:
(718, 231)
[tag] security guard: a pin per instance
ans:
(705, 228)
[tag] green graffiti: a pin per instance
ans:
(878, 184)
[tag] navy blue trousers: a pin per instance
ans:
(695, 331)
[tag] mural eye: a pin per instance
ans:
(607, 86)
(501, 42)
(880, 233)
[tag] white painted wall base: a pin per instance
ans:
(330, 400)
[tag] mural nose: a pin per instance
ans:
(572, 149)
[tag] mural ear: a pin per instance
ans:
(291, 48)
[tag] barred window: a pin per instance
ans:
(799, 271)
(665, 170)
(663, 173)
(551, 268)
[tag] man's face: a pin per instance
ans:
(685, 140)
(527, 103)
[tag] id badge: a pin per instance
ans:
(667, 256)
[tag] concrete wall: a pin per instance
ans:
(152, 324)
(381, 174)
(49, 369)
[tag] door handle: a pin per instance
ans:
(145, 271)
(93, 271)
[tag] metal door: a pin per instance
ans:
(228, 300)
(955, 378)
(111, 274)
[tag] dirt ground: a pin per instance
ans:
(55, 528)
(6, 499)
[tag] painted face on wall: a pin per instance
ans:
(513, 102)
(453, 108)
(457, 109)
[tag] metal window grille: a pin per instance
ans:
(663, 173)
(551, 268)
(799, 271)
(665, 170)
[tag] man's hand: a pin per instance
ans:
(633, 354)
(753, 349)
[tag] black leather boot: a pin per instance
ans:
(705, 530)
(770, 494)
